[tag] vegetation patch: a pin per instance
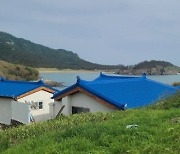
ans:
(98, 133)
(17, 72)
(176, 84)
(21, 51)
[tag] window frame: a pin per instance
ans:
(37, 105)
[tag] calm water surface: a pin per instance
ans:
(70, 77)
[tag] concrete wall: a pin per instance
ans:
(67, 102)
(42, 117)
(54, 108)
(21, 112)
(5, 111)
(82, 100)
(10, 109)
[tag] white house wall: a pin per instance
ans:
(40, 96)
(82, 100)
(5, 111)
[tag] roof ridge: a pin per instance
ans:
(118, 76)
(114, 81)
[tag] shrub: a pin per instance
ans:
(176, 84)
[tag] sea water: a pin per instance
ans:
(69, 78)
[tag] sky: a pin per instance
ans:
(101, 31)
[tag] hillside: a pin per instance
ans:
(17, 72)
(21, 51)
(24, 52)
(157, 132)
(152, 67)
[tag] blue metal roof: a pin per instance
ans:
(178, 87)
(13, 89)
(135, 91)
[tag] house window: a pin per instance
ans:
(40, 105)
(79, 110)
(36, 105)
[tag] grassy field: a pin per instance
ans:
(158, 131)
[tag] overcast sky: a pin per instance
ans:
(101, 31)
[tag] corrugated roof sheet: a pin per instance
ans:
(13, 89)
(120, 91)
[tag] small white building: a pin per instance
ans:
(111, 92)
(26, 101)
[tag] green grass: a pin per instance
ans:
(158, 132)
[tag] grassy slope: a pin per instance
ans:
(158, 132)
(17, 72)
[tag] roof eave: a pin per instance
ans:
(103, 98)
(36, 89)
(65, 92)
(57, 95)
(10, 97)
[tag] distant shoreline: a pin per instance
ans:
(55, 70)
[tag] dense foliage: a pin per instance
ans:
(17, 72)
(157, 132)
(20, 51)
